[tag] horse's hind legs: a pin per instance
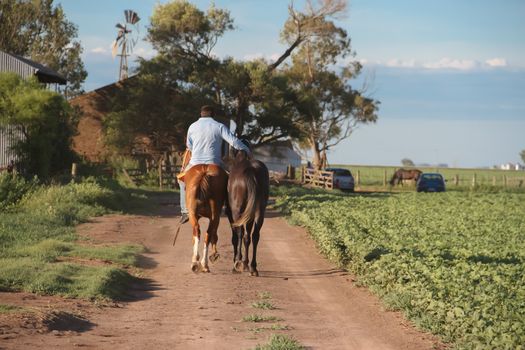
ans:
(238, 265)
(255, 242)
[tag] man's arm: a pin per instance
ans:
(229, 137)
(189, 141)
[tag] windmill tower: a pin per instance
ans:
(127, 37)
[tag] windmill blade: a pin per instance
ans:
(131, 16)
(120, 26)
(114, 48)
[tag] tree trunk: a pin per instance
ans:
(316, 158)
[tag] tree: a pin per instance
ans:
(46, 121)
(522, 155)
(327, 108)
(39, 30)
(168, 91)
(407, 162)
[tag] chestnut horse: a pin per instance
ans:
(405, 174)
(205, 195)
(248, 191)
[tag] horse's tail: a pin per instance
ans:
(393, 179)
(250, 201)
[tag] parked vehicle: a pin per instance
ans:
(430, 182)
(343, 179)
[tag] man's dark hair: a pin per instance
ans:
(207, 110)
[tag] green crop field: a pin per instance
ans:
(453, 262)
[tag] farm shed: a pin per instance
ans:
(278, 155)
(25, 68)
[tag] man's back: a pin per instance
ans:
(205, 141)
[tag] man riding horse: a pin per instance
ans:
(203, 180)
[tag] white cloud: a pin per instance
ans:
(443, 63)
(401, 63)
(269, 57)
(99, 50)
(447, 63)
(496, 62)
(144, 52)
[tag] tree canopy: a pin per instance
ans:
(40, 31)
(407, 162)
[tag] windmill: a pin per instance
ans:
(126, 40)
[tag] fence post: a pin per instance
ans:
(384, 178)
(474, 180)
(505, 180)
(160, 174)
(494, 181)
(358, 178)
(290, 172)
(302, 174)
(456, 179)
(74, 171)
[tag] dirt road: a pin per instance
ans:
(315, 302)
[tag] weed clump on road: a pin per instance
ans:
(280, 342)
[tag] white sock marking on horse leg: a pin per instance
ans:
(204, 260)
(195, 250)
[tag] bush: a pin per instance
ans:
(13, 188)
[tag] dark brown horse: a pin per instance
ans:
(248, 191)
(405, 174)
(205, 196)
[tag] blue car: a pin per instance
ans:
(430, 182)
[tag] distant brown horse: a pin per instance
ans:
(248, 191)
(205, 196)
(405, 174)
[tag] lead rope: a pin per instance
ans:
(176, 235)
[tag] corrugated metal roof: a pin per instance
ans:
(27, 68)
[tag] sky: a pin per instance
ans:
(449, 74)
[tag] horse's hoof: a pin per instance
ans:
(205, 269)
(235, 271)
(196, 267)
(214, 257)
(239, 266)
(254, 273)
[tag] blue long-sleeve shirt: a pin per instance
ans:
(204, 140)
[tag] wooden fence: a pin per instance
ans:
(317, 178)
(380, 178)
(167, 176)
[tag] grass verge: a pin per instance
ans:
(39, 251)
